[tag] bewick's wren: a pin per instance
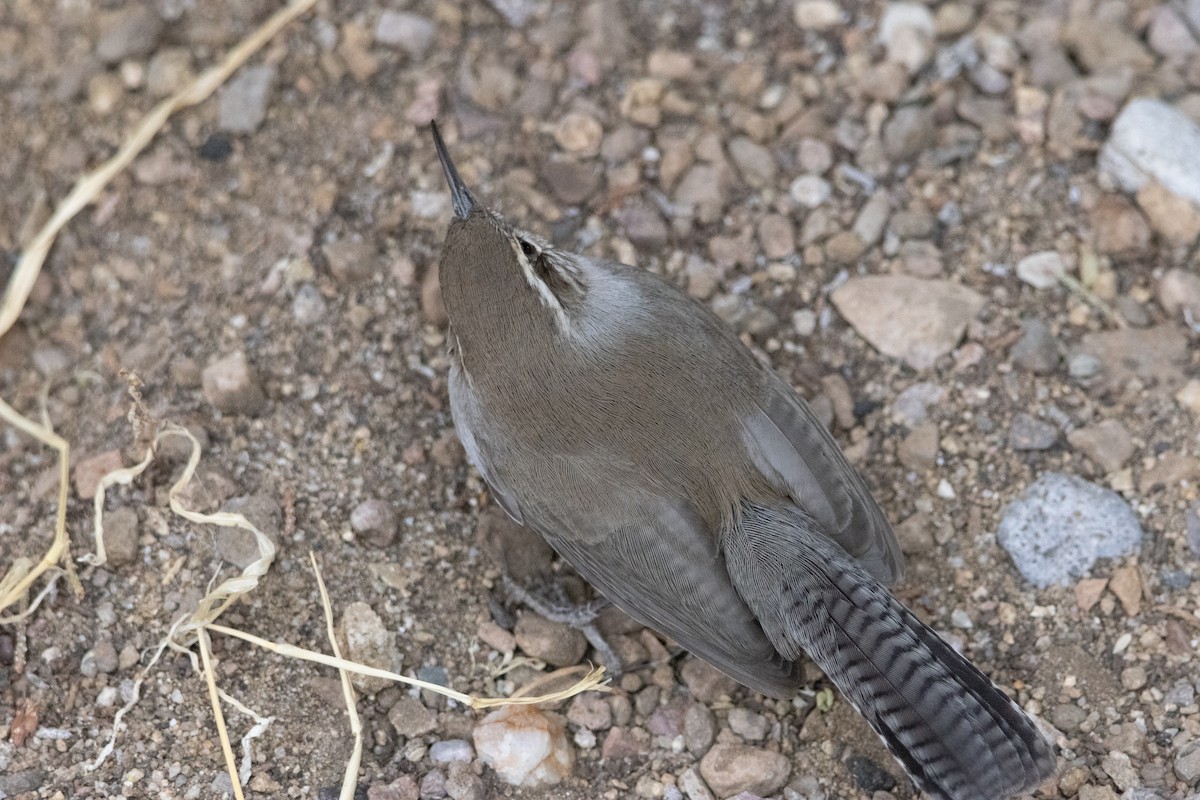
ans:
(692, 487)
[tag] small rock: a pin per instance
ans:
(844, 248)
(432, 305)
(1168, 34)
(411, 33)
(1088, 592)
(1126, 584)
(776, 236)
(810, 191)
(410, 717)
(105, 656)
(571, 181)
(376, 522)
(703, 277)
(231, 387)
(1149, 140)
(239, 546)
(579, 133)
(817, 15)
(169, 70)
(699, 729)
(750, 726)
(643, 225)
(1042, 270)
(21, 781)
(1061, 524)
(308, 306)
(244, 99)
(1067, 716)
(433, 785)
(625, 743)
(1028, 433)
(917, 321)
(1187, 763)
(706, 683)
(447, 451)
(1118, 227)
(754, 162)
(131, 32)
(553, 642)
(814, 155)
(732, 768)
(450, 750)
(90, 470)
(700, 189)
(525, 746)
(350, 259)
(869, 775)
(1107, 443)
(919, 449)
(403, 788)
(906, 30)
(1084, 366)
(121, 536)
(463, 784)
(1119, 766)
(590, 710)
(909, 131)
(1171, 470)
(1176, 219)
(871, 221)
(911, 406)
(368, 641)
(1153, 355)
(921, 259)
(1179, 291)
(693, 785)
(1189, 396)
(520, 551)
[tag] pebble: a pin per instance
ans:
(244, 98)
(239, 546)
(911, 407)
(21, 781)
(579, 133)
(921, 259)
(1187, 762)
(906, 31)
(1028, 433)
(231, 387)
(90, 470)
(121, 536)
(909, 131)
(1107, 443)
(1179, 291)
(814, 155)
(1189, 396)
(591, 711)
(169, 70)
(350, 259)
(1152, 355)
(433, 785)
(411, 33)
(573, 182)
(700, 189)
(643, 225)
(1151, 139)
(732, 768)
(751, 726)
(703, 277)
(625, 743)
(1118, 228)
(817, 15)
(699, 729)
(810, 191)
(915, 320)
(376, 523)
(776, 236)
(1084, 366)
(131, 32)
(754, 162)
(402, 788)
(1176, 219)
(1126, 584)
(918, 451)
(525, 746)
(1168, 34)
(706, 683)
(553, 642)
(308, 306)
(410, 717)
(1042, 270)
(450, 750)
(1057, 528)
(693, 785)
(368, 641)
(869, 775)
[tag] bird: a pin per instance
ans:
(698, 492)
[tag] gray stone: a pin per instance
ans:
(368, 641)
(1187, 763)
(1151, 139)
(1036, 351)
(700, 189)
(732, 768)
(908, 131)
(243, 103)
(810, 191)
(1057, 528)
(754, 162)
(131, 32)
(121, 535)
(376, 522)
(411, 33)
(239, 546)
(1179, 292)
(749, 725)
(553, 642)
(308, 306)
(410, 717)
(451, 750)
(1028, 433)
(912, 405)
(699, 729)
(231, 387)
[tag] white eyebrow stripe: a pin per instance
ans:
(538, 285)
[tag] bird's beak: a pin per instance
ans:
(459, 195)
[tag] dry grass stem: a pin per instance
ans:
(350, 780)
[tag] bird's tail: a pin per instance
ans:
(952, 729)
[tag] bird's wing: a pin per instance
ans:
(800, 458)
(661, 566)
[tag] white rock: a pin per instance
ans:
(810, 191)
(1153, 140)
(817, 15)
(1042, 270)
(525, 746)
(907, 31)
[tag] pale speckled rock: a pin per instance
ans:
(525, 746)
(732, 768)
(1151, 139)
(1057, 528)
(915, 320)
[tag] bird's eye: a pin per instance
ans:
(528, 249)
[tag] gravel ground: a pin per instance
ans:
(967, 231)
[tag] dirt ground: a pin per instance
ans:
(298, 225)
